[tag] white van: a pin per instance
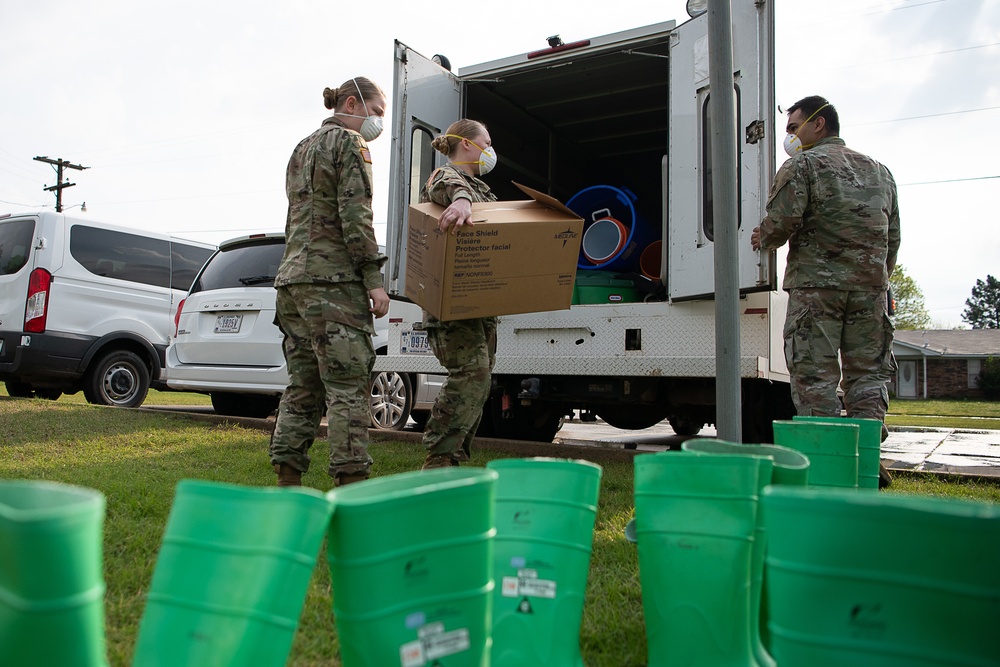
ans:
(88, 306)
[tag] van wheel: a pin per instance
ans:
(390, 398)
(119, 378)
(19, 390)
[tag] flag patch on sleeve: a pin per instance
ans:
(366, 155)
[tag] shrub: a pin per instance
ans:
(988, 379)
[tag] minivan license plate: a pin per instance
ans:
(228, 323)
(414, 342)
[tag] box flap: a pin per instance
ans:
(543, 198)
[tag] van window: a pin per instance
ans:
(15, 244)
(708, 219)
(120, 255)
(241, 266)
(186, 262)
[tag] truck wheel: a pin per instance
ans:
(254, 406)
(685, 425)
(536, 423)
(119, 378)
(390, 398)
(19, 390)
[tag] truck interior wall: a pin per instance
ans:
(600, 120)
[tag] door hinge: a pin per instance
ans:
(755, 131)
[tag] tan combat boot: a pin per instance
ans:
(439, 461)
(287, 475)
(342, 479)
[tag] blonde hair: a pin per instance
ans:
(460, 129)
(359, 87)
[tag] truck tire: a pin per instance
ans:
(536, 423)
(685, 425)
(119, 378)
(390, 398)
(255, 406)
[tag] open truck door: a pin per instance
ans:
(691, 247)
(426, 100)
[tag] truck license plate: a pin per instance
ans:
(414, 342)
(228, 323)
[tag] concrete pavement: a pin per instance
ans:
(918, 449)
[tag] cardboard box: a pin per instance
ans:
(517, 257)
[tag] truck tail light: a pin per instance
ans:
(36, 312)
(177, 317)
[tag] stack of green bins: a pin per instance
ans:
(51, 581)
(869, 446)
(545, 514)
(411, 567)
(882, 580)
(231, 576)
(832, 449)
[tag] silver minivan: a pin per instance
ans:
(88, 306)
(227, 345)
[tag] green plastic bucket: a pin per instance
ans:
(545, 514)
(51, 582)
(695, 519)
(411, 560)
(832, 449)
(232, 574)
(787, 467)
(869, 446)
(790, 466)
(882, 580)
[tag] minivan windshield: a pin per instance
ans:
(15, 244)
(241, 266)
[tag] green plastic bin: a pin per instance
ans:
(545, 514)
(231, 576)
(695, 518)
(51, 581)
(603, 287)
(411, 560)
(832, 449)
(882, 580)
(869, 446)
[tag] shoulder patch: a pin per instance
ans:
(366, 155)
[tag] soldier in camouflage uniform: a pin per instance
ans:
(466, 348)
(329, 283)
(837, 210)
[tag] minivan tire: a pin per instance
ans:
(390, 399)
(119, 378)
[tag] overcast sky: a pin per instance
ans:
(185, 114)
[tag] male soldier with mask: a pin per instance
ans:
(838, 211)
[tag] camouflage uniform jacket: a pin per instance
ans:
(449, 183)
(837, 210)
(329, 237)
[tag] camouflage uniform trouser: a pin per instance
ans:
(329, 365)
(821, 323)
(467, 348)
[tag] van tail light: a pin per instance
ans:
(36, 312)
(177, 317)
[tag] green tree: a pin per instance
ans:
(982, 310)
(911, 313)
(989, 378)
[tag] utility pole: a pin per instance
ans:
(60, 165)
(724, 152)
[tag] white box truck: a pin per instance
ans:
(626, 114)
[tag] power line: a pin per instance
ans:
(930, 115)
(952, 180)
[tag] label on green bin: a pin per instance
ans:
(433, 643)
(527, 584)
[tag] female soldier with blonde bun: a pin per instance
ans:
(329, 284)
(467, 348)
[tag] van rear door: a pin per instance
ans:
(691, 251)
(426, 100)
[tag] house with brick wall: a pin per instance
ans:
(942, 363)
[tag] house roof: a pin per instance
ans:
(951, 342)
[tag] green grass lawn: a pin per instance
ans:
(957, 413)
(136, 458)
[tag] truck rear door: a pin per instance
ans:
(691, 248)
(426, 100)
